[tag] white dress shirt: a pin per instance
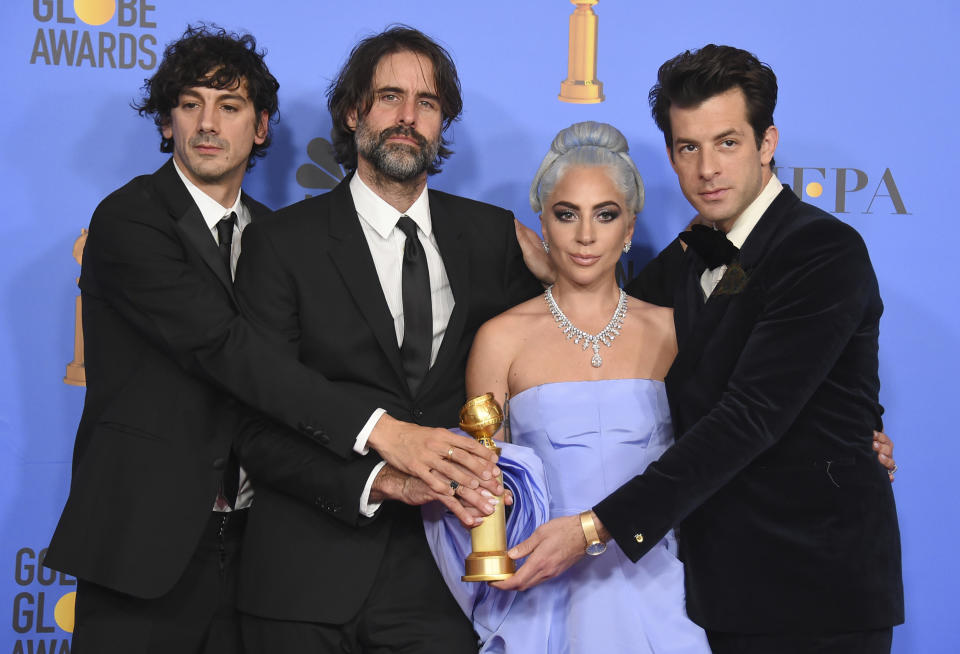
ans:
(212, 212)
(741, 229)
(386, 242)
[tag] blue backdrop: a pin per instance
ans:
(867, 123)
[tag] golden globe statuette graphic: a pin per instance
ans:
(76, 373)
(481, 417)
(582, 85)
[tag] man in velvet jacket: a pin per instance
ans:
(786, 521)
(326, 567)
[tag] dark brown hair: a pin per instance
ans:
(694, 76)
(352, 88)
(212, 57)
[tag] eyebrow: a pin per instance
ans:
(571, 205)
(680, 140)
(226, 96)
(398, 90)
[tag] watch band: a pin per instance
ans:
(589, 528)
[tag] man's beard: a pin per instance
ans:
(398, 161)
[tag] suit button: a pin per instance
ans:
(321, 436)
(417, 412)
(219, 464)
(638, 538)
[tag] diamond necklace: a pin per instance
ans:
(605, 335)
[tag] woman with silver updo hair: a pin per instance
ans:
(583, 366)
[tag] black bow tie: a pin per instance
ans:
(711, 244)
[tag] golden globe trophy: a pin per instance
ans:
(481, 417)
(76, 372)
(582, 85)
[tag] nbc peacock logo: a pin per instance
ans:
(95, 34)
(323, 173)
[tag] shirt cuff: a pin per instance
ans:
(360, 446)
(368, 508)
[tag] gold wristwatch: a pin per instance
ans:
(595, 546)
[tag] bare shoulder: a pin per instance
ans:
(652, 315)
(513, 322)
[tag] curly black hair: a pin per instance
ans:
(694, 76)
(352, 88)
(208, 55)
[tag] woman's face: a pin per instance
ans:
(586, 223)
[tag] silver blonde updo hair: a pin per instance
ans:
(588, 144)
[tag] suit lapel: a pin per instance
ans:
(189, 221)
(449, 232)
(695, 319)
(351, 255)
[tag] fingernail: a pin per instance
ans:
(493, 501)
(496, 472)
(876, 445)
(486, 493)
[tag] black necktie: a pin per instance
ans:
(225, 235)
(231, 473)
(417, 310)
(711, 244)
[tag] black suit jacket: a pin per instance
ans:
(308, 277)
(166, 348)
(786, 520)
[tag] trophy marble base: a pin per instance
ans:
(488, 566)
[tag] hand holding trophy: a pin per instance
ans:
(481, 417)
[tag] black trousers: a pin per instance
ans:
(856, 642)
(197, 616)
(409, 611)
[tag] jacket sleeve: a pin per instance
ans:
(815, 295)
(657, 282)
(137, 261)
(279, 457)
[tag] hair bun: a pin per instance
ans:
(589, 134)
(590, 144)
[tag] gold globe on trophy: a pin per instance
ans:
(481, 417)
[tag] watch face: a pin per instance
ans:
(596, 549)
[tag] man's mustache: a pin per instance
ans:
(407, 132)
(208, 140)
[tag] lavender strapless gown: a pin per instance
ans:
(575, 443)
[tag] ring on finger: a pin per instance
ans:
(449, 456)
(454, 484)
(894, 469)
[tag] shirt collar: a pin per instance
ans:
(751, 215)
(382, 217)
(211, 210)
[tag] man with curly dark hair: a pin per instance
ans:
(153, 523)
